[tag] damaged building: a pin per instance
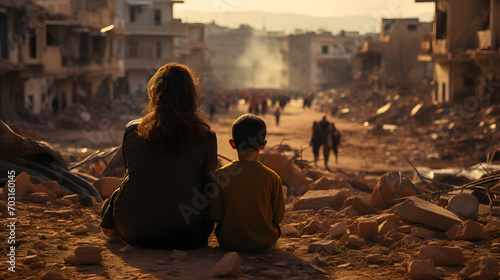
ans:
(156, 38)
(56, 53)
(320, 61)
(391, 60)
(464, 48)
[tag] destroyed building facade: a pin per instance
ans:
(464, 48)
(321, 61)
(391, 60)
(56, 53)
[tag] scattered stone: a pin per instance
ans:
(373, 258)
(367, 228)
(313, 227)
(93, 228)
(468, 230)
(72, 197)
(30, 259)
(178, 255)
(360, 184)
(128, 248)
(422, 233)
(361, 207)
(229, 265)
(411, 239)
(327, 246)
(296, 182)
(405, 229)
(424, 270)
(62, 247)
(64, 213)
(386, 226)
(347, 212)
(352, 241)
(338, 230)
(54, 274)
(85, 255)
(107, 185)
(38, 197)
(63, 201)
(324, 183)
(387, 188)
(81, 229)
(442, 255)
(420, 211)
(344, 265)
(486, 268)
(53, 187)
(37, 265)
(40, 245)
(321, 198)
(39, 188)
(23, 185)
(289, 230)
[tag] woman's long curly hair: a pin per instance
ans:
(171, 121)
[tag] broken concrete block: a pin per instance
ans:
(296, 182)
(387, 190)
(322, 198)
(30, 259)
(53, 186)
(422, 233)
(229, 265)
(411, 239)
(277, 162)
(338, 230)
(324, 183)
(386, 227)
(360, 184)
(367, 228)
(107, 185)
(54, 274)
(424, 270)
(23, 185)
(72, 197)
(85, 255)
(468, 230)
(63, 201)
(347, 212)
(351, 241)
(38, 197)
(442, 255)
(327, 246)
(39, 188)
(359, 205)
(418, 210)
(289, 230)
(81, 229)
(373, 258)
(486, 268)
(312, 228)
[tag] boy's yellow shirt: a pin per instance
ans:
(247, 202)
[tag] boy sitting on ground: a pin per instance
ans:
(247, 197)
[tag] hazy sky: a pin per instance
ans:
(321, 8)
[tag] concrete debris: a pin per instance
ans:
(418, 210)
(422, 232)
(38, 197)
(81, 229)
(85, 255)
(72, 197)
(229, 265)
(386, 227)
(327, 246)
(367, 228)
(54, 274)
(351, 241)
(361, 207)
(338, 230)
(312, 227)
(424, 270)
(324, 183)
(23, 185)
(387, 190)
(289, 230)
(486, 268)
(373, 258)
(317, 199)
(468, 230)
(444, 255)
(107, 185)
(347, 212)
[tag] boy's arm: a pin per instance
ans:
(216, 203)
(278, 202)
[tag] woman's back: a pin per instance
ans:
(161, 202)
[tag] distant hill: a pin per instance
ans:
(287, 23)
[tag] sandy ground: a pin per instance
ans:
(51, 238)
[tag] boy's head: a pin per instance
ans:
(249, 134)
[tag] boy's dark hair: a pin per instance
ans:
(249, 133)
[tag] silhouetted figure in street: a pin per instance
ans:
(55, 105)
(316, 141)
(324, 128)
(277, 115)
(333, 142)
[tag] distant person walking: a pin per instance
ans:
(324, 128)
(333, 142)
(277, 115)
(316, 141)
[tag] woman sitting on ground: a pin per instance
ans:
(169, 155)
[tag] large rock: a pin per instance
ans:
(328, 246)
(229, 265)
(296, 182)
(442, 255)
(367, 228)
(85, 255)
(387, 226)
(54, 187)
(422, 233)
(338, 230)
(37, 197)
(468, 230)
(347, 212)
(351, 241)
(387, 190)
(424, 270)
(289, 230)
(107, 185)
(23, 185)
(420, 211)
(313, 227)
(321, 198)
(324, 183)
(359, 205)
(486, 268)
(290, 174)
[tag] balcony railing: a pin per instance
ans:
(173, 27)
